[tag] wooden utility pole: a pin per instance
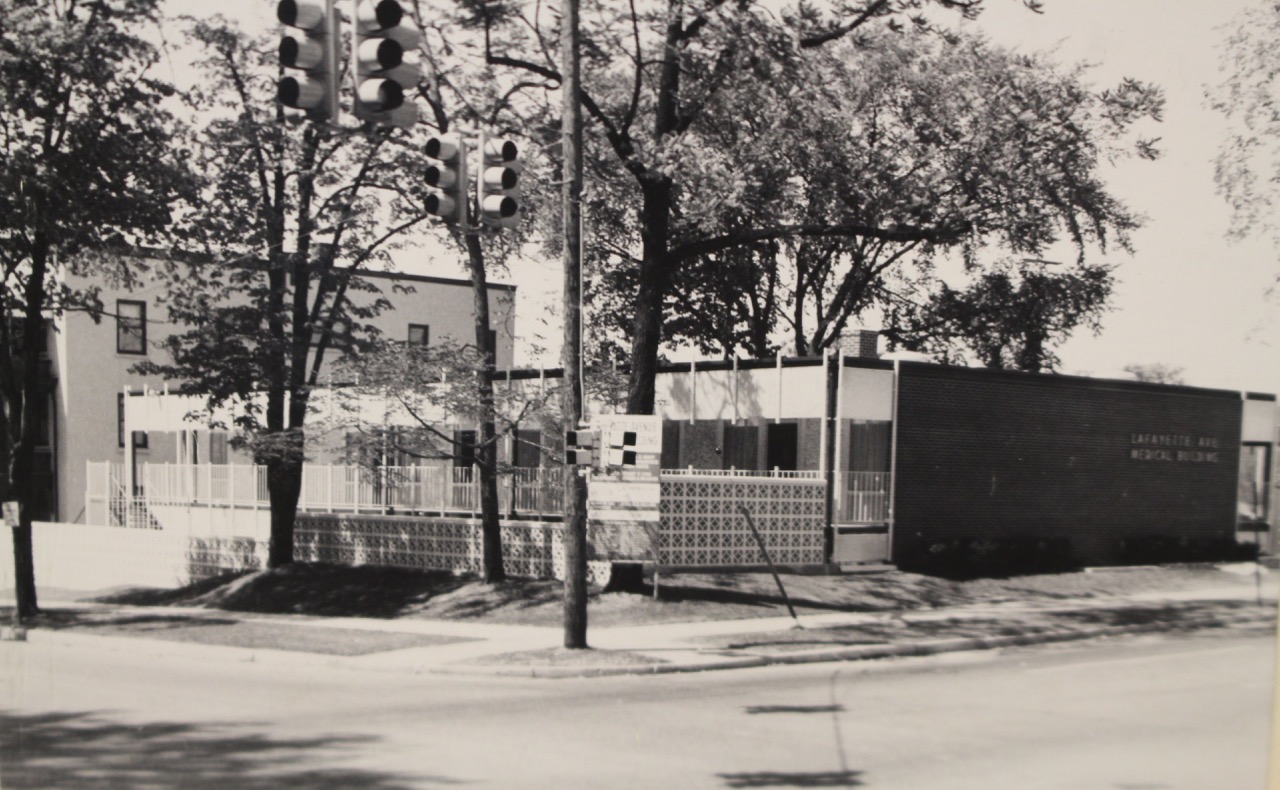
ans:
(575, 486)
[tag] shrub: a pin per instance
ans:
(1161, 548)
(973, 557)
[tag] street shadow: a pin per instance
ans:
(1172, 616)
(794, 779)
(756, 709)
(90, 750)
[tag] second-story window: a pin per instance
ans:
(419, 335)
(131, 327)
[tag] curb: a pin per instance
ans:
(901, 650)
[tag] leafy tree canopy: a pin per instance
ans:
(1247, 169)
(1156, 372)
(810, 194)
(1009, 318)
(88, 156)
(87, 164)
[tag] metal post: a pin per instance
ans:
(893, 458)
(769, 561)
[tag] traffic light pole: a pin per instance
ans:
(575, 485)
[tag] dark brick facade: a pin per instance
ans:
(985, 454)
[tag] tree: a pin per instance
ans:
(403, 402)
(954, 147)
(648, 90)
(291, 213)
(1247, 169)
(89, 166)
(302, 209)
(1009, 319)
(462, 98)
(1156, 373)
(884, 141)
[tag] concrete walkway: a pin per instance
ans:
(487, 649)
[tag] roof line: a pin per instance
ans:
(197, 258)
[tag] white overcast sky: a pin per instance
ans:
(1186, 298)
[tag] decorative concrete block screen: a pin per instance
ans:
(702, 525)
(529, 548)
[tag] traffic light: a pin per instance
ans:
(447, 176)
(498, 183)
(386, 63)
(621, 448)
(310, 47)
(579, 447)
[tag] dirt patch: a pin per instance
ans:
(330, 590)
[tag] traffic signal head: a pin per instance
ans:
(386, 63)
(579, 456)
(308, 49)
(622, 448)
(579, 447)
(447, 176)
(498, 183)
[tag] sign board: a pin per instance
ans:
(622, 501)
(11, 512)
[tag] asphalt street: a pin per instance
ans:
(1137, 713)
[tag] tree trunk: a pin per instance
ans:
(490, 526)
(486, 450)
(24, 571)
(284, 486)
(21, 471)
(656, 195)
(646, 333)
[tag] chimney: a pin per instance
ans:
(862, 343)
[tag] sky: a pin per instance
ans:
(1186, 298)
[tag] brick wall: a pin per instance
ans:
(995, 454)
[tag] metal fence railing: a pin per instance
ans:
(862, 497)
(532, 492)
(525, 492)
(779, 474)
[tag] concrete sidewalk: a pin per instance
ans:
(479, 648)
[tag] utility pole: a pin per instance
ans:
(575, 485)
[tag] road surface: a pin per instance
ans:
(1151, 713)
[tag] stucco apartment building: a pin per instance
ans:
(90, 363)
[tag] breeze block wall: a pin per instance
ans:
(1036, 472)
